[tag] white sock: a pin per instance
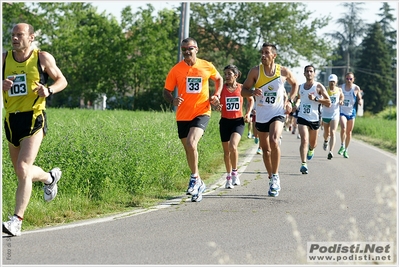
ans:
(49, 179)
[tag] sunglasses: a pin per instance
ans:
(190, 48)
(349, 79)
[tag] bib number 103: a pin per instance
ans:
(19, 87)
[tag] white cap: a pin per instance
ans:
(333, 77)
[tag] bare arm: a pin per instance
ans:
(359, 95)
(250, 82)
(51, 68)
(290, 78)
(325, 100)
(250, 106)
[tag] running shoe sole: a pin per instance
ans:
(304, 170)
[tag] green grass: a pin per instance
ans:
(114, 161)
(111, 161)
(379, 130)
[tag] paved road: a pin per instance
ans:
(336, 201)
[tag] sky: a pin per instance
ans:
(319, 8)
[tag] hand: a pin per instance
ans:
(7, 83)
(215, 100)
(41, 90)
(178, 100)
(257, 92)
(288, 108)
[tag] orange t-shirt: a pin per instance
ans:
(231, 102)
(193, 86)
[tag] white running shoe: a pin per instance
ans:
(235, 178)
(198, 196)
(13, 226)
(229, 183)
(50, 191)
(193, 186)
(274, 184)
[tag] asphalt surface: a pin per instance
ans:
(351, 200)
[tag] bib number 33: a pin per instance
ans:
(194, 85)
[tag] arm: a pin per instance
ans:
(341, 96)
(250, 106)
(250, 82)
(325, 100)
(7, 82)
(290, 78)
(359, 95)
(51, 68)
(215, 99)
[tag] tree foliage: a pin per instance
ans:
(374, 74)
(233, 32)
(129, 60)
(349, 35)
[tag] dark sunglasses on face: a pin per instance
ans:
(190, 48)
(349, 79)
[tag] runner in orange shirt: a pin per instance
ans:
(191, 76)
(232, 123)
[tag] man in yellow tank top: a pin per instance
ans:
(25, 90)
(268, 79)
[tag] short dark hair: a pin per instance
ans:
(234, 69)
(273, 46)
(309, 66)
(189, 39)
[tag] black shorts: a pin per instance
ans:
(20, 125)
(229, 126)
(265, 127)
(183, 127)
(313, 125)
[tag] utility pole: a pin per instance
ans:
(183, 32)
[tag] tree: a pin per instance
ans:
(374, 72)
(348, 38)
(234, 33)
(390, 36)
(152, 42)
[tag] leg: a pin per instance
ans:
(23, 158)
(226, 156)
(313, 139)
(265, 146)
(333, 128)
(349, 127)
(343, 122)
(303, 148)
(276, 129)
(326, 131)
(190, 146)
(233, 148)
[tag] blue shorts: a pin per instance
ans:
(349, 117)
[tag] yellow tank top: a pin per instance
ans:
(21, 98)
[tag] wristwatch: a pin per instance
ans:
(316, 98)
(50, 91)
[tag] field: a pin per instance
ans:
(114, 161)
